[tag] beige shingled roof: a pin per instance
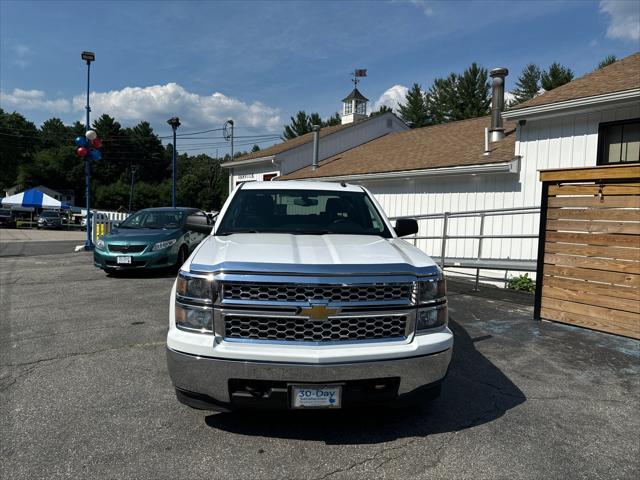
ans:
(447, 145)
(617, 77)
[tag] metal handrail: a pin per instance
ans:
(445, 216)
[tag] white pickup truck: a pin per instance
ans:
(303, 296)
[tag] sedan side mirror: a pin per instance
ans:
(198, 223)
(406, 226)
(116, 224)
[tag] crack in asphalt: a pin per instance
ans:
(369, 459)
(81, 354)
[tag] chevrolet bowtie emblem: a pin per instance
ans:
(319, 312)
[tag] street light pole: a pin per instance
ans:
(88, 244)
(175, 123)
(133, 173)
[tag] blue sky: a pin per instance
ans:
(261, 61)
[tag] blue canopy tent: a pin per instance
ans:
(33, 198)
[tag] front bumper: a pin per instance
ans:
(160, 259)
(207, 381)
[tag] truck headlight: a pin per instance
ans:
(163, 245)
(197, 288)
(194, 319)
(430, 291)
(430, 318)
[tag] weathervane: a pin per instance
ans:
(358, 72)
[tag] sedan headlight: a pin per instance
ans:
(100, 244)
(163, 245)
(430, 291)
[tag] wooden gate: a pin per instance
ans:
(589, 252)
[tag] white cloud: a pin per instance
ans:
(20, 99)
(156, 103)
(392, 97)
(625, 19)
(424, 5)
(21, 55)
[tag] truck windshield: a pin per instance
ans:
(302, 212)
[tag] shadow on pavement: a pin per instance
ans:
(474, 393)
(144, 273)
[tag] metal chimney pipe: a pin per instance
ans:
(497, 102)
(316, 146)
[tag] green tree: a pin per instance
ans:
(473, 93)
(19, 140)
(460, 96)
(255, 148)
(415, 109)
(443, 99)
(381, 110)
(54, 133)
(606, 61)
(527, 85)
(556, 76)
(299, 126)
(334, 119)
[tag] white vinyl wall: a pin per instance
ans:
(561, 142)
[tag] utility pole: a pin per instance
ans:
(228, 133)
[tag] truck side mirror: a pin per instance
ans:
(406, 226)
(198, 223)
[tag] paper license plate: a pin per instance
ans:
(125, 260)
(316, 396)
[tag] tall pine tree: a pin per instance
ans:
(415, 110)
(556, 76)
(527, 85)
(473, 93)
(443, 99)
(299, 126)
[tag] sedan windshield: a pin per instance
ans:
(303, 212)
(154, 219)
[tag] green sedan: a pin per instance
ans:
(150, 238)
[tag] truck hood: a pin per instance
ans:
(305, 254)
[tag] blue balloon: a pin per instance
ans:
(81, 141)
(95, 154)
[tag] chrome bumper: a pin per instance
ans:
(210, 376)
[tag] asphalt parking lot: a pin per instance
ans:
(84, 393)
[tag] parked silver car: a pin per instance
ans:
(50, 219)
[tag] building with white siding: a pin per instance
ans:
(447, 168)
(286, 157)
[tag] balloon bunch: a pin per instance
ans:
(88, 145)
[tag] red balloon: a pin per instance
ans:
(96, 142)
(81, 151)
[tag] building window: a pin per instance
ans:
(348, 108)
(619, 142)
(361, 108)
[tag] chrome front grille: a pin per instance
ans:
(263, 292)
(339, 328)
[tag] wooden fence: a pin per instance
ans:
(589, 248)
